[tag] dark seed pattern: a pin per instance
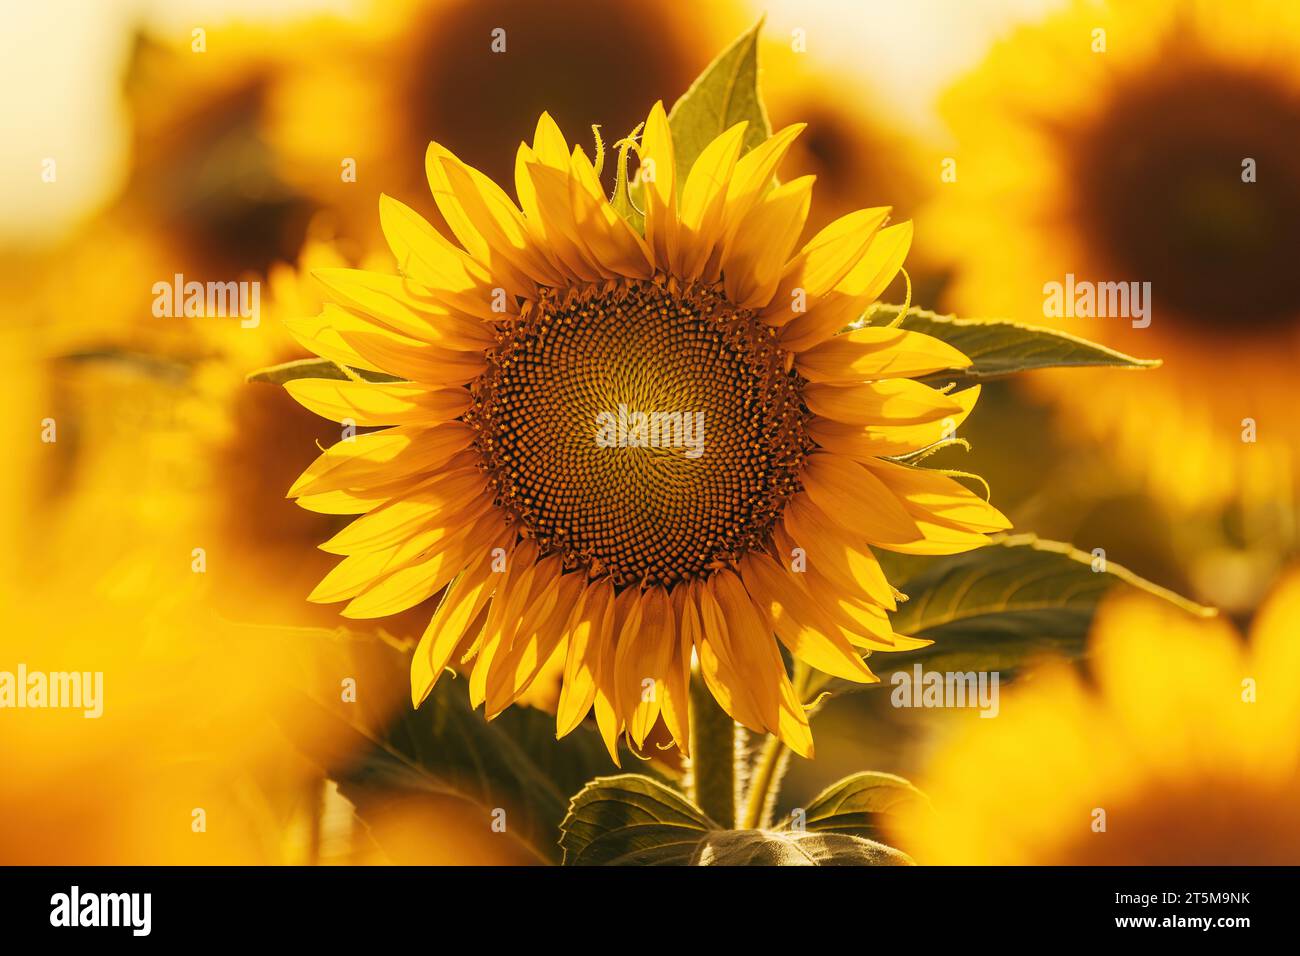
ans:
(648, 515)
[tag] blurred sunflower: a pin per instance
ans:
(1188, 741)
(630, 562)
(374, 89)
(203, 175)
(97, 578)
(855, 146)
(142, 400)
(120, 466)
(1151, 141)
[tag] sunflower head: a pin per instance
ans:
(1148, 143)
(629, 452)
(656, 347)
(1179, 707)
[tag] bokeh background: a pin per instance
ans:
(212, 139)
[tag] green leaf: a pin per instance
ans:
(857, 804)
(173, 370)
(792, 848)
(723, 95)
(998, 347)
(991, 608)
(315, 368)
(569, 763)
(634, 820)
(631, 818)
(385, 756)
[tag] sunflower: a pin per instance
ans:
(857, 149)
(513, 350)
(856, 146)
(1154, 142)
(1179, 709)
(373, 88)
(96, 578)
(202, 175)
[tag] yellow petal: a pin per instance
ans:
(877, 352)
(703, 620)
(612, 242)
(827, 550)
(608, 717)
(381, 457)
(750, 181)
(865, 444)
(851, 296)
(561, 248)
(937, 539)
(750, 645)
(416, 539)
(417, 582)
(826, 259)
(489, 645)
(856, 499)
(353, 502)
(804, 627)
(405, 306)
(593, 617)
(350, 321)
(360, 571)
(540, 633)
(553, 193)
(676, 703)
(891, 401)
(348, 578)
(550, 144)
(645, 650)
(319, 334)
(486, 222)
(528, 590)
(463, 602)
(541, 585)
(627, 684)
(703, 201)
(451, 495)
(793, 727)
(432, 260)
(658, 173)
(933, 496)
(755, 255)
(862, 623)
(410, 359)
(756, 657)
(884, 257)
(378, 403)
(507, 605)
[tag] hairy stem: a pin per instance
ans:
(713, 756)
(762, 788)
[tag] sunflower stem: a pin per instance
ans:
(771, 765)
(713, 756)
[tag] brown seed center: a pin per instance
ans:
(643, 431)
(1162, 194)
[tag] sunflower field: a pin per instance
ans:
(650, 433)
